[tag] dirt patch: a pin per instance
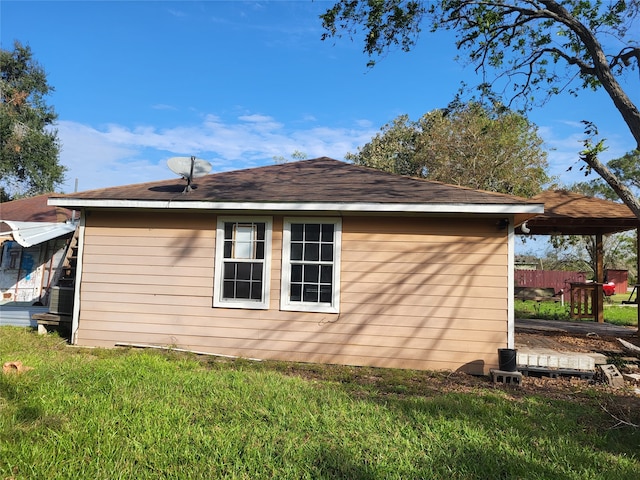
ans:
(621, 403)
(622, 400)
(583, 343)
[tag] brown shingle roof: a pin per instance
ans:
(33, 209)
(571, 213)
(308, 181)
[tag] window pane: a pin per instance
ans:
(296, 232)
(326, 274)
(227, 289)
(311, 252)
(327, 232)
(228, 230)
(260, 250)
(256, 291)
(242, 289)
(243, 250)
(243, 271)
(256, 273)
(296, 292)
(311, 273)
(310, 293)
(296, 273)
(327, 253)
(229, 271)
(260, 230)
(227, 249)
(325, 293)
(244, 233)
(296, 251)
(244, 241)
(312, 232)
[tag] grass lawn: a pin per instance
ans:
(614, 311)
(110, 414)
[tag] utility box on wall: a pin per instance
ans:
(61, 302)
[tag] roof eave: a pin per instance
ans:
(364, 207)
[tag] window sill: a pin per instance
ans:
(311, 308)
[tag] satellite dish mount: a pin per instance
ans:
(188, 168)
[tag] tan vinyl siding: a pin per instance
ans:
(427, 293)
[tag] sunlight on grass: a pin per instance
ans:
(105, 414)
(613, 312)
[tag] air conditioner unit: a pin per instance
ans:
(61, 302)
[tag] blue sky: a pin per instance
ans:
(238, 83)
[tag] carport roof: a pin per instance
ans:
(570, 213)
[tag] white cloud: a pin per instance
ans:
(119, 155)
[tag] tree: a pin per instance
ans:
(29, 146)
(534, 46)
(295, 156)
(467, 144)
(578, 252)
(626, 168)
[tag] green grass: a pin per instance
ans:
(614, 311)
(110, 414)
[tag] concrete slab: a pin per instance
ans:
(632, 377)
(584, 327)
(598, 358)
(547, 358)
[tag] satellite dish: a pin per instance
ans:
(188, 168)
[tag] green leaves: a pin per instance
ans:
(385, 23)
(29, 146)
(466, 144)
(515, 39)
(529, 49)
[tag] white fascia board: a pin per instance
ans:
(501, 209)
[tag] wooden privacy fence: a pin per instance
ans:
(560, 280)
(556, 279)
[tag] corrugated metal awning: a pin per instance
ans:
(28, 234)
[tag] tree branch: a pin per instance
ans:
(619, 420)
(572, 60)
(624, 58)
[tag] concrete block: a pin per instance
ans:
(585, 362)
(612, 376)
(523, 358)
(508, 378)
(574, 362)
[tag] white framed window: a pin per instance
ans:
(243, 262)
(311, 264)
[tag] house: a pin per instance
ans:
(314, 261)
(34, 238)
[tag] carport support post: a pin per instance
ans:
(599, 296)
